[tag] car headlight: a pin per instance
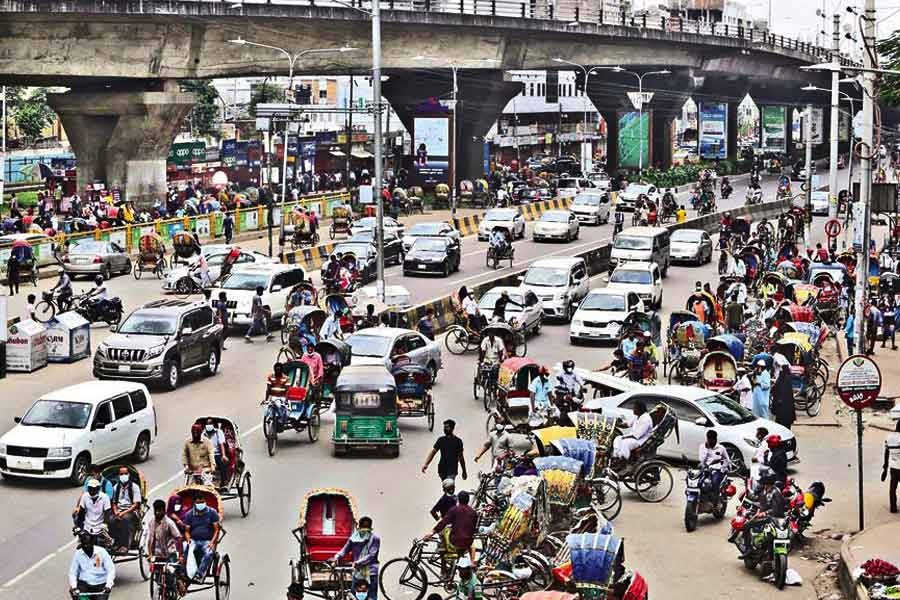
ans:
(155, 351)
(752, 442)
(2, 448)
(101, 350)
(64, 452)
(577, 323)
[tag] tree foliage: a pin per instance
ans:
(889, 53)
(205, 121)
(265, 93)
(30, 111)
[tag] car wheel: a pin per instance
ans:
(171, 374)
(106, 271)
(80, 470)
(447, 269)
(738, 466)
(212, 363)
(142, 448)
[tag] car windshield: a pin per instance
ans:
(820, 196)
(245, 281)
(425, 229)
(555, 217)
(88, 247)
(546, 276)
(215, 260)
(725, 410)
(429, 245)
(636, 189)
(567, 183)
(487, 302)
(367, 236)
(374, 346)
(499, 215)
(149, 324)
(630, 276)
(56, 413)
(603, 302)
(630, 242)
(587, 200)
(686, 235)
(356, 249)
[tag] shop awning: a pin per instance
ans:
(361, 154)
(337, 153)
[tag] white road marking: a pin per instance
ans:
(71, 544)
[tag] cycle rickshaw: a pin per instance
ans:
(137, 548)
(305, 292)
(848, 259)
(710, 306)
(218, 575)
(482, 195)
(303, 235)
(335, 356)
(718, 371)
(596, 569)
(642, 472)
(414, 397)
(414, 200)
(513, 398)
(686, 345)
(301, 327)
(643, 322)
(494, 256)
(776, 286)
(807, 380)
(328, 518)
(236, 484)
(789, 312)
(23, 254)
(460, 339)
(592, 487)
(442, 195)
(185, 247)
(466, 191)
(806, 294)
(754, 260)
(295, 407)
(341, 220)
(151, 256)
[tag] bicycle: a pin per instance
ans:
(50, 305)
(164, 580)
(485, 380)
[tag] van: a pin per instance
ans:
(65, 431)
(559, 283)
(645, 244)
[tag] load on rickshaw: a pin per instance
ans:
(303, 234)
(719, 366)
(466, 192)
(185, 247)
(414, 396)
(513, 400)
(341, 220)
(521, 514)
(482, 195)
(500, 252)
(442, 195)
(295, 406)
(151, 256)
(776, 286)
(366, 411)
(685, 347)
(460, 339)
(594, 569)
(233, 482)
(328, 517)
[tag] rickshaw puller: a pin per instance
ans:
(363, 546)
(91, 570)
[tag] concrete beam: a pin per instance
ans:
(123, 137)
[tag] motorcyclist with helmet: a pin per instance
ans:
(776, 457)
(99, 294)
(726, 188)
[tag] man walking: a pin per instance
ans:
(259, 317)
(451, 449)
(892, 462)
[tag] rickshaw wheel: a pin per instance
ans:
(409, 577)
(142, 565)
(331, 231)
(222, 580)
(161, 268)
(337, 585)
(245, 494)
(137, 271)
(312, 429)
(270, 431)
(607, 497)
(653, 481)
(429, 414)
(456, 340)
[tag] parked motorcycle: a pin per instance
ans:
(769, 545)
(703, 497)
(726, 188)
(96, 310)
(802, 507)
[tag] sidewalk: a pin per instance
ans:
(875, 542)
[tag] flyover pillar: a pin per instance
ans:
(661, 139)
(789, 131)
(731, 131)
(611, 118)
(122, 137)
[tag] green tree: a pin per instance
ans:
(889, 53)
(32, 113)
(204, 117)
(265, 93)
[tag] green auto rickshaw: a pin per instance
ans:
(366, 410)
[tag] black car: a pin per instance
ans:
(798, 170)
(432, 255)
(393, 245)
(527, 195)
(366, 258)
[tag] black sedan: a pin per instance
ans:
(526, 195)
(393, 245)
(432, 255)
(366, 257)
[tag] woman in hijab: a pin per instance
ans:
(783, 394)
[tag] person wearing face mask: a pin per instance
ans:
(216, 438)
(126, 500)
(363, 547)
(316, 373)
(202, 533)
(198, 454)
(163, 539)
(91, 570)
(92, 512)
(540, 390)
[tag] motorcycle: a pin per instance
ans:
(702, 498)
(668, 207)
(769, 545)
(567, 401)
(95, 310)
(707, 204)
(726, 189)
(754, 196)
(802, 507)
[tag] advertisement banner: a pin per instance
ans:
(241, 153)
(431, 144)
(817, 126)
(198, 151)
(180, 154)
(254, 153)
(634, 139)
(843, 127)
(773, 134)
(713, 125)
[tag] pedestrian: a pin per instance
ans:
(425, 326)
(228, 227)
(30, 303)
(892, 461)
(446, 501)
(849, 332)
(734, 314)
(216, 438)
(12, 275)
(452, 460)
(783, 394)
(873, 323)
(745, 391)
(889, 325)
(260, 317)
(762, 382)
(221, 308)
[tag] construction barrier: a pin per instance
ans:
(468, 225)
(309, 258)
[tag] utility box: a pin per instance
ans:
(68, 338)
(26, 348)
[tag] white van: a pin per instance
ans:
(240, 286)
(644, 244)
(67, 430)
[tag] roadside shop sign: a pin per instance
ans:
(858, 381)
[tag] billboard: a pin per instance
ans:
(772, 134)
(713, 126)
(634, 139)
(431, 150)
(817, 126)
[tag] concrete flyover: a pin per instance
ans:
(127, 49)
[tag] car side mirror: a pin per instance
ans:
(187, 331)
(702, 422)
(113, 328)
(277, 288)
(17, 419)
(98, 425)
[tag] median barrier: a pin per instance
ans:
(467, 225)
(309, 258)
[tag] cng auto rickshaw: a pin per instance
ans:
(366, 411)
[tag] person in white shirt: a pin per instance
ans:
(714, 456)
(470, 307)
(744, 388)
(91, 570)
(892, 462)
(331, 328)
(93, 508)
(637, 434)
(203, 271)
(759, 456)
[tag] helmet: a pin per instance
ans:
(773, 440)
(98, 279)
(766, 477)
(568, 365)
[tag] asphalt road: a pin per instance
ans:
(35, 531)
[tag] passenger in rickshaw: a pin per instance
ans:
(348, 272)
(637, 434)
(641, 365)
(540, 405)
(332, 272)
(216, 438)
(201, 533)
(500, 241)
(126, 502)
(313, 360)
(363, 547)
(491, 353)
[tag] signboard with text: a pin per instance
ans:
(431, 150)
(858, 381)
(713, 124)
(634, 139)
(772, 128)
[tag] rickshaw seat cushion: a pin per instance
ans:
(326, 535)
(518, 394)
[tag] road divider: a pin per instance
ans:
(309, 258)
(467, 225)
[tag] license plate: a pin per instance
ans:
(421, 266)
(23, 464)
(80, 261)
(124, 368)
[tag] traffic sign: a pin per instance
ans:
(832, 228)
(858, 381)
(639, 99)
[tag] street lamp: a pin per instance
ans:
(289, 95)
(585, 157)
(640, 105)
(454, 67)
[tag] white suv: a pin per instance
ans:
(66, 431)
(640, 277)
(240, 287)
(559, 283)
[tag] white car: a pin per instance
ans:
(569, 187)
(528, 310)
(600, 315)
(429, 229)
(628, 197)
(240, 287)
(67, 430)
(368, 224)
(215, 258)
(698, 410)
(556, 225)
(600, 180)
(591, 207)
(690, 245)
(819, 202)
(508, 218)
(559, 283)
(641, 278)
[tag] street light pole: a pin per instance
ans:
(455, 99)
(376, 183)
(807, 234)
(585, 160)
(833, 154)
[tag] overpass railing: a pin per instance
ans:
(592, 12)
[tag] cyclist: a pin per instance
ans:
(92, 570)
(63, 289)
(491, 353)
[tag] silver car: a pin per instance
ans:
(90, 257)
(381, 345)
